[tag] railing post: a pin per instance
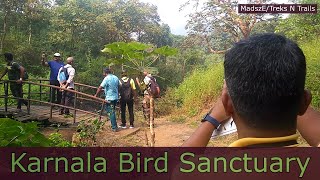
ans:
(51, 107)
(101, 111)
(40, 91)
(6, 84)
(74, 106)
(29, 97)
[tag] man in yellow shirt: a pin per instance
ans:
(127, 95)
(263, 92)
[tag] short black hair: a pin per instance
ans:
(124, 73)
(107, 70)
(8, 56)
(265, 76)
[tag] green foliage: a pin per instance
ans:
(75, 28)
(301, 27)
(199, 88)
(88, 130)
(311, 50)
(57, 140)
(17, 134)
(136, 55)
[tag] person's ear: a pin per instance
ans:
(305, 102)
(226, 100)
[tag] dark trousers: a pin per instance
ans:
(16, 90)
(123, 105)
(66, 100)
(54, 92)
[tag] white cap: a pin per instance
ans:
(56, 54)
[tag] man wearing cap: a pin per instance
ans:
(54, 65)
(110, 85)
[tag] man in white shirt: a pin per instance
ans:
(67, 96)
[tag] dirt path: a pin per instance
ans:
(170, 134)
(167, 134)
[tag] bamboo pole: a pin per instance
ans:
(152, 139)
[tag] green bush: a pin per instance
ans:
(57, 140)
(311, 50)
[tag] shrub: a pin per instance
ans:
(311, 50)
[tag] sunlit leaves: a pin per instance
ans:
(136, 54)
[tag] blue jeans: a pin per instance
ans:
(111, 111)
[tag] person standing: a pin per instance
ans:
(110, 85)
(54, 66)
(67, 96)
(148, 99)
(127, 92)
(15, 73)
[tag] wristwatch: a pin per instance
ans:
(212, 120)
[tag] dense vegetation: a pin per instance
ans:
(190, 74)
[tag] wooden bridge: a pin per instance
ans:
(38, 91)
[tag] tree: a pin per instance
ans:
(8, 8)
(218, 24)
(301, 26)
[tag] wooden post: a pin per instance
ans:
(101, 110)
(29, 89)
(6, 84)
(152, 139)
(40, 91)
(74, 106)
(51, 107)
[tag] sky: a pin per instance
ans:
(177, 20)
(169, 14)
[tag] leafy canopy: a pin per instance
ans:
(136, 55)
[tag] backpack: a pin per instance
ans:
(26, 75)
(125, 90)
(63, 75)
(154, 88)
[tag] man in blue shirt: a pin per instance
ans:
(110, 85)
(54, 65)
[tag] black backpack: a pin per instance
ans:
(125, 90)
(26, 75)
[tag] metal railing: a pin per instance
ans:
(77, 95)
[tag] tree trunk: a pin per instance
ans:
(30, 32)
(4, 31)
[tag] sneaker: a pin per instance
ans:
(131, 127)
(122, 126)
(114, 130)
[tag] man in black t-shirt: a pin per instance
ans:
(15, 73)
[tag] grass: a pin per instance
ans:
(200, 88)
